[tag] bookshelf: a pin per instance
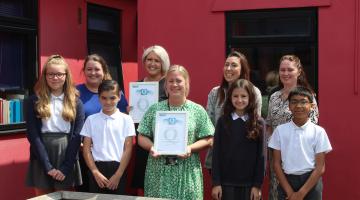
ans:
(12, 110)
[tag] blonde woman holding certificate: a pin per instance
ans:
(177, 177)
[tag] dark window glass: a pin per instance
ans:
(104, 37)
(12, 60)
(18, 60)
(264, 36)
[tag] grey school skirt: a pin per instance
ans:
(55, 144)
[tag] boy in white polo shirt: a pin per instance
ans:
(299, 149)
(107, 142)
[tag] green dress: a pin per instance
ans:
(184, 180)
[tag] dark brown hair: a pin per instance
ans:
(301, 80)
(244, 74)
(252, 124)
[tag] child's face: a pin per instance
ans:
(240, 100)
(55, 77)
(300, 107)
(108, 101)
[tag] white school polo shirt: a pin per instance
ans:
(299, 145)
(108, 134)
(55, 123)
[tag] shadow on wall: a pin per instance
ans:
(12, 181)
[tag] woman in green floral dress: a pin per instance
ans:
(183, 179)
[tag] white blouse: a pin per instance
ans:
(55, 123)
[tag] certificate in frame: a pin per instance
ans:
(142, 96)
(171, 132)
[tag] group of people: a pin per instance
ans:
(63, 120)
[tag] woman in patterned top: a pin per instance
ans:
(183, 178)
(291, 74)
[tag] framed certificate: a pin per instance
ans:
(142, 96)
(171, 132)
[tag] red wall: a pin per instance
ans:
(194, 34)
(61, 33)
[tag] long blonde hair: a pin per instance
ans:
(43, 92)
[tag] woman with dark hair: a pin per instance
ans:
(236, 67)
(291, 75)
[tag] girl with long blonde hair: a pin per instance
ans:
(54, 120)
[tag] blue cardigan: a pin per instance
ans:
(34, 135)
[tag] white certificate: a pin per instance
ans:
(171, 132)
(142, 96)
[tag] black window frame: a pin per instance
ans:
(278, 41)
(26, 26)
(107, 38)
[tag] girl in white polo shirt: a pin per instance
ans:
(107, 142)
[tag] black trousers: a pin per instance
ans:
(108, 169)
(236, 193)
(297, 181)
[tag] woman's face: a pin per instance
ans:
(232, 69)
(176, 84)
(94, 73)
(55, 77)
(288, 73)
(152, 64)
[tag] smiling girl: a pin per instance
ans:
(238, 160)
(235, 67)
(54, 120)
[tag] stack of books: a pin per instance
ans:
(11, 111)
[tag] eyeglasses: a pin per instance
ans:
(58, 75)
(301, 102)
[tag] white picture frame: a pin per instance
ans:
(171, 132)
(142, 96)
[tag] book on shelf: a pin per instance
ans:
(11, 111)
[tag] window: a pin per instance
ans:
(266, 35)
(18, 63)
(104, 37)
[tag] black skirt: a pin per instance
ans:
(56, 145)
(141, 157)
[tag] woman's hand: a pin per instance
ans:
(100, 179)
(153, 152)
(255, 193)
(187, 154)
(216, 192)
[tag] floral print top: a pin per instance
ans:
(279, 113)
(183, 180)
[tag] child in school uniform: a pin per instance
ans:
(299, 149)
(54, 118)
(107, 142)
(238, 158)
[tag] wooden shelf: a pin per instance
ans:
(12, 128)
